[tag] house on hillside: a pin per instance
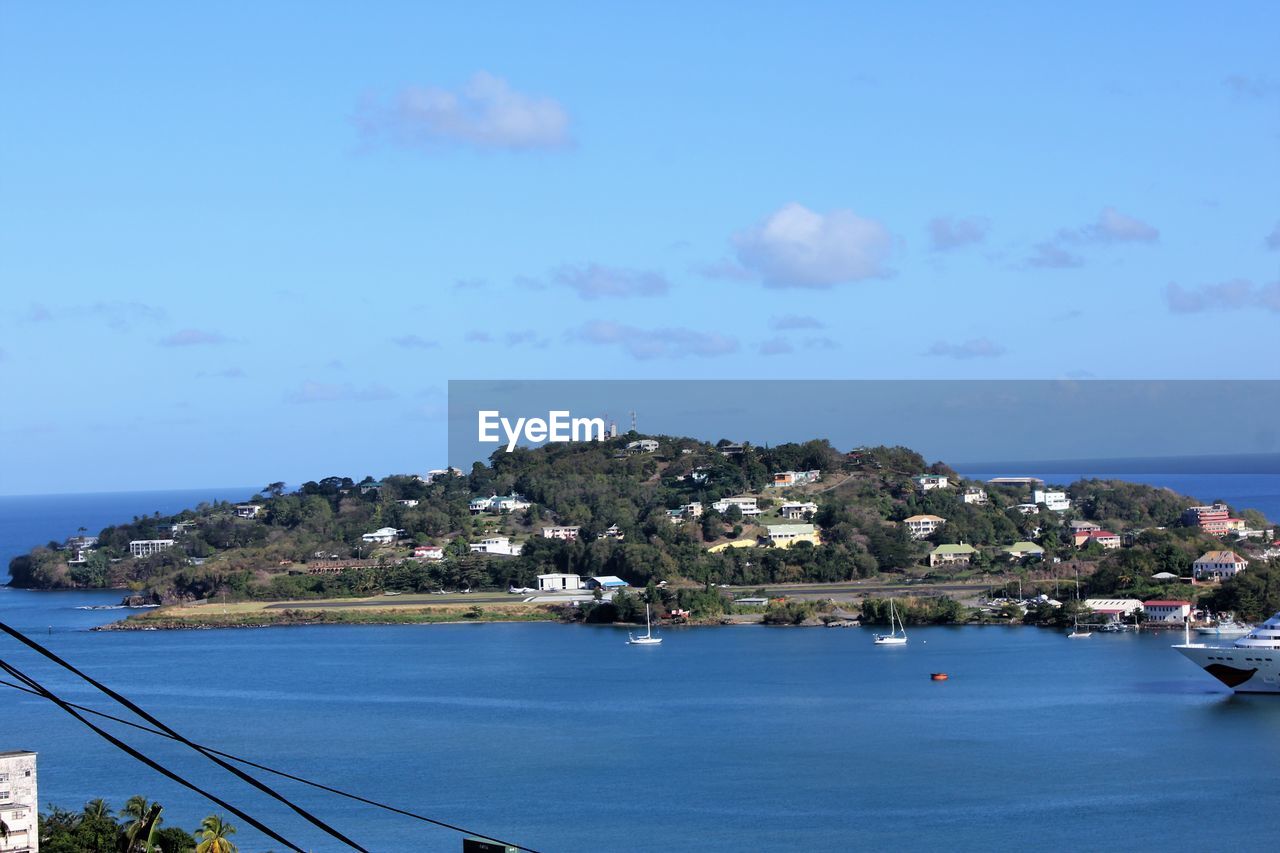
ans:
(1105, 538)
(974, 495)
(1054, 500)
(381, 536)
(642, 445)
(952, 555)
(782, 479)
(248, 510)
(1024, 550)
(796, 511)
(747, 505)
(786, 535)
(1218, 565)
(428, 552)
(568, 534)
(929, 482)
(922, 526)
(500, 545)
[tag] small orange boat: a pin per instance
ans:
(939, 676)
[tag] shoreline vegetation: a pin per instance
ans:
(688, 526)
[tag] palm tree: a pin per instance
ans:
(144, 819)
(97, 808)
(214, 834)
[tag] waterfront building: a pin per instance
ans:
(922, 526)
(147, 547)
(557, 581)
(952, 555)
(19, 802)
(1114, 609)
(1218, 565)
(786, 535)
(606, 582)
(1174, 612)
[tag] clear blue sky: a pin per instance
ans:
(245, 244)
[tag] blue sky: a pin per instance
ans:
(254, 245)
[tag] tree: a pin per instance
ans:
(214, 835)
(144, 819)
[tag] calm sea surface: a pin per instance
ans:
(565, 739)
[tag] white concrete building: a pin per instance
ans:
(568, 534)
(782, 479)
(1114, 609)
(642, 445)
(746, 504)
(974, 495)
(1054, 500)
(929, 482)
(381, 536)
(796, 511)
(147, 547)
(501, 545)
(409, 502)
(1175, 612)
(557, 581)
(922, 526)
(1219, 565)
(19, 802)
(248, 510)
(428, 552)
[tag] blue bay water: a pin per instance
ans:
(565, 739)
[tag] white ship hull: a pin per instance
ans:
(1243, 669)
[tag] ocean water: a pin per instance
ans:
(563, 738)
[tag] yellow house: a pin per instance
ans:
(786, 535)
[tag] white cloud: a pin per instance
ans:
(645, 344)
(776, 346)
(485, 113)
(1233, 295)
(193, 338)
(326, 392)
(973, 348)
(478, 336)
(1052, 256)
(1115, 227)
(595, 281)
(1252, 87)
(947, 233)
(796, 247)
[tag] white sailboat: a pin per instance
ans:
(647, 638)
(896, 636)
(1076, 633)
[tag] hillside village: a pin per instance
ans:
(635, 510)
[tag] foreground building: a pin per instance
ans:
(18, 802)
(952, 555)
(1218, 565)
(786, 535)
(922, 526)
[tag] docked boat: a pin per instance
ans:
(1251, 664)
(896, 636)
(1076, 633)
(647, 638)
(1228, 628)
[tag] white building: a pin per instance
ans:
(929, 482)
(1028, 509)
(381, 536)
(248, 510)
(409, 502)
(1219, 565)
(501, 545)
(921, 526)
(147, 547)
(974, 495)
(568, 534)
(746, 504)
(796, 511)
(557, 581)
(1175, 612)
(642, 445)
(786, 535)
(500, 503)
(1054, 500)
(428, 552)
(612, 532)
(1114, 609)
(1083, 526)
(19, 801)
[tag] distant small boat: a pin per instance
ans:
(1076, 633)
(939, 676)
(895, 637)
(647, 638)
